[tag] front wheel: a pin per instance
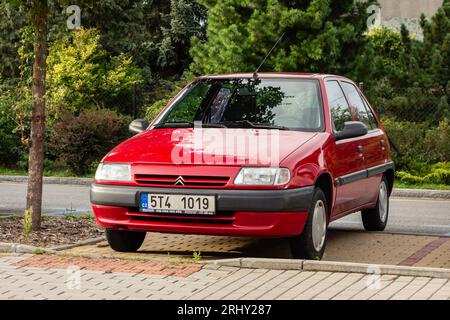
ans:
(376, 219)
(311, 243)
(124, 241)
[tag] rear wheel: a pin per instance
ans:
(311, 243)
(124, 241)
(376, 219)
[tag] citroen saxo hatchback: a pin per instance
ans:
(266, 155)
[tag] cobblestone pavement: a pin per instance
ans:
(61, 277)
(344, 246)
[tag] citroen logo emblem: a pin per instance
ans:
(179, 181)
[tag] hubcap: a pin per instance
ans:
(319, 225)
(383, 202)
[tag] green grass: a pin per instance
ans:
(56, 173)
(430, 186)
(86, 216)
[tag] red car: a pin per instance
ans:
(264, 155)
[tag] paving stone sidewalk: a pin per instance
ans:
(357, 247)
(61, 277)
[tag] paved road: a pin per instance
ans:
(407, 215)
(57, 198)
(58, 278)
(411, 216)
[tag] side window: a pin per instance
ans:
(373, 121)
(340, 112)
(357, 104)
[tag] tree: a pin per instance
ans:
(320, 35)
(38, 21)
(154, 33)
(406, 78)
(81, 74)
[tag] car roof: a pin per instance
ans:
(273, 75)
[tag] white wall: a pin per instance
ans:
(408, 8)
(394, 13)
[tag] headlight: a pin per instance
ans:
(113, 172)
(263, 176)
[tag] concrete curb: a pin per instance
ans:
(421, 193)
(330, 266)
(23, 248)
(78, 244)
(50, 180)
(401, 193)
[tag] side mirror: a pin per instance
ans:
(138, 126)
(351, 129)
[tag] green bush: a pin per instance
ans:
(11, 146)
(81, 74)
(82, 140)
(418, 142)
(437, 142)
(8, 143)
(438, 174)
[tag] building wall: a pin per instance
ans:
(396, 12)
(408, 8)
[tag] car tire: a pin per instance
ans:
(376, 219)
(124, 241)
(310, 244)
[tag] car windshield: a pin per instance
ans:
(288, 104)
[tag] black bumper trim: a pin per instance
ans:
(363, 174)
(352, 177)
(227, 200)
(380, 169)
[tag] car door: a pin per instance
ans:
(347, 165)
(373, 144)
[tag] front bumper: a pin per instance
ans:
(226, 200)
(278, 213)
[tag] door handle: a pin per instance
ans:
(360, 149)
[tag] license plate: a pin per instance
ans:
(177, 203)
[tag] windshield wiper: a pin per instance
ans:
(225, 124)
(187, 124)
(249, 124)
(175, 124)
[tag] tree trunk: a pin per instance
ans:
(39, 20)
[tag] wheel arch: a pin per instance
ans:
(325, 182)
(389, 174)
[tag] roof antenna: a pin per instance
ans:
(255, 74)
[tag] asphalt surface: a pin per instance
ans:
(408, 216)
(57, 198)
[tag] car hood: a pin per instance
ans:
(258, 147)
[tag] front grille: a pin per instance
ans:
(159, 180)
(221, 217)
(184, 220)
